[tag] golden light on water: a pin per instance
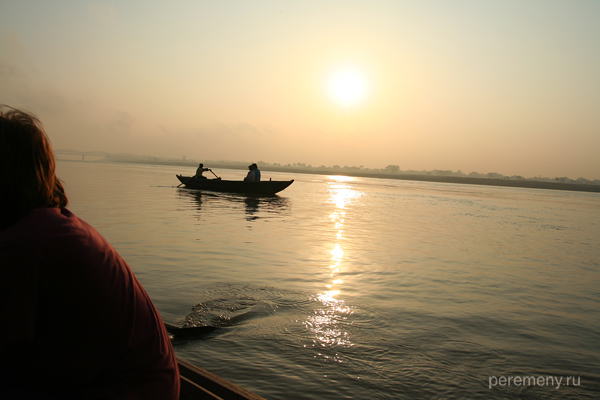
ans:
(328, 297)
(342, 194)
(328, 321)
(342, 178)
(337, 252)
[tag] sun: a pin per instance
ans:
(347, 86)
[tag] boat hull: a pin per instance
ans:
(220, 185)
(198, 383)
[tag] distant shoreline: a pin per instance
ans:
(529, 184)
(494, 182)
(456, 179)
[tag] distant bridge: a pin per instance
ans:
(83, 154)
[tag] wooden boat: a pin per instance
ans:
(198, 383)
(221, 185)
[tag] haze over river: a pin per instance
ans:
(364, 288)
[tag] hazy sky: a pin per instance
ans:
(507, 86)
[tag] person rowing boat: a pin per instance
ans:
(200, 171)
(198, 176)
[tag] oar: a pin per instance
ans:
(191, 332)
(214, 173)
(186, 181)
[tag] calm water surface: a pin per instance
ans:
(364, 288)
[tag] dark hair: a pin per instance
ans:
(27, 167)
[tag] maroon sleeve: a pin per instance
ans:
(18, 294)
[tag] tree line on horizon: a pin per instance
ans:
(391, 169)
(395, 170)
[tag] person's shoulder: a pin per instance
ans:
(46, 222)
(55, 217)
(46, 228)
(35, 220)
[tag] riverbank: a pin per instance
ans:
(522, 183)
(490, 182)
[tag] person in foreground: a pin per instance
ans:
(75, 321)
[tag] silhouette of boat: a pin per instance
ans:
(221, 185)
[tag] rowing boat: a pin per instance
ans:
(221, 185)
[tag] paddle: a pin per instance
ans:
(191, 332)
(214, 173)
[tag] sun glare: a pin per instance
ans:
(347, 87)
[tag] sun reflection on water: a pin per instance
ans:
(337, 253)
(341, 193)
(329, 320)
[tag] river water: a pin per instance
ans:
(364, 288)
